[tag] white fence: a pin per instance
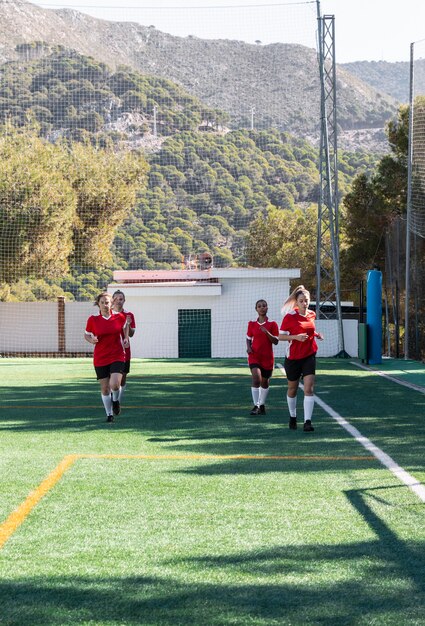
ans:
(57, 329)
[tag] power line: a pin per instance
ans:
(151, 8)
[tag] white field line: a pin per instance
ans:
(394, 380)
(382, 457)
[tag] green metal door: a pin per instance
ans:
(194, 333)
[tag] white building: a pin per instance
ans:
(198, 313)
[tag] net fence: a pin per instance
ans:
(415, 253)
(125, 149)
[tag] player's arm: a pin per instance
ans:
(285, 336)
(249, 345)
(126, 329)
(90, 337)
(132, 325)
(272, 338)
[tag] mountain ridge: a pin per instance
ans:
(280, 82)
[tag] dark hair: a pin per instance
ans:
(118, 292)
(97, 299)
(261, 300)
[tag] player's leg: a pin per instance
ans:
(124, 381)
(264, 389)
(255, 387)
(309, 371)
(293, 375)
(308, 401)
(105, 391)
(115, 383)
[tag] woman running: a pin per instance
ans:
(260, 337)
(118, 300)
(104, 331)
(298, 328)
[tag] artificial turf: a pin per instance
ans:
(189, 511)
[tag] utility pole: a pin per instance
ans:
(328, 295)
(252, 117)
(155, 133)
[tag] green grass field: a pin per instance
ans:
(188, 511)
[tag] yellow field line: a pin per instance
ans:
(15, 519)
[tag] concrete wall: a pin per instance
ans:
(28, 326)
(76, 316)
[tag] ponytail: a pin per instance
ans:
(290, 302)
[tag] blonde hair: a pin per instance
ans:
(290, 302)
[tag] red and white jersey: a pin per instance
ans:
(132, 326)
(293, 324)
(110, 347)
(262, 347)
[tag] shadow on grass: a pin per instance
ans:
(332, 585)
(183, 412)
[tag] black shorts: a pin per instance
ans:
(294, 368)
(264, 373)
(126, 367)
(104, 371)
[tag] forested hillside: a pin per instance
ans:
(204, 187)
(73, 96)
(205, 190)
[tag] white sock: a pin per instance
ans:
(255, 395)
(115, 394)
(122, 389)
(292, 406)
(308, 407)
(263, 395)
(107, 403)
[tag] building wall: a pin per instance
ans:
(231, 307)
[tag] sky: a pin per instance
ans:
(365, 30)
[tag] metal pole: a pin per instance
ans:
(409, 207)
(320, 201)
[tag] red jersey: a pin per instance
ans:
(110, 347)
(262, 347)
(133, 327)
(293, 324)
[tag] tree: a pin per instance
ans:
(285, 238)
(373, 204)
(106, 185)
(37, 208)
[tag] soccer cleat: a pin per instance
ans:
(308, 428)
(116, 409)
(110, 418)
(293, 423)
(255, 410)
(262, 409)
